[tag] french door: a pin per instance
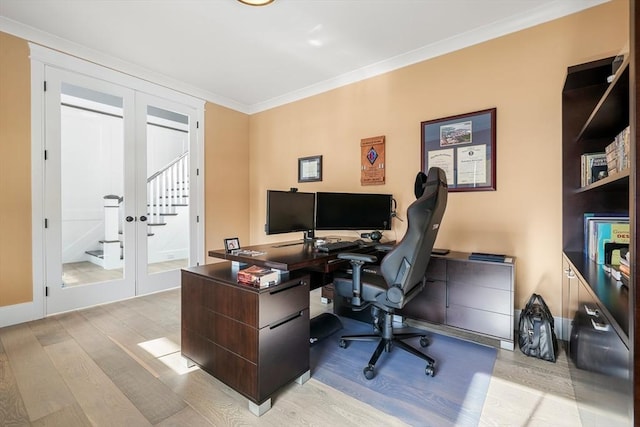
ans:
(120, 219)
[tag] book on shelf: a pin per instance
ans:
(591, 216)
(617, 152)
(481, 256)
(593, 166)
(603, 232)
(260, 277)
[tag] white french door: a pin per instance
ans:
(120, 217)
(166, 139)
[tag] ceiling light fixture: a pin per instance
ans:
(256, 2)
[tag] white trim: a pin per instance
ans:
(80, 66)
(200, 230)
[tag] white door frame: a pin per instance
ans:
(41, 56)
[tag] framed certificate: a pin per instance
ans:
(464, 146)
(310, 169)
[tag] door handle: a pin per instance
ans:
(129, 218)
(143, 218)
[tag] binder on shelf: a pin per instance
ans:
(481, 256)
(260, 277)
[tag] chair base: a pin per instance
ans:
(386, 344)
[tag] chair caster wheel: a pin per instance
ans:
(343, 344)
(424, 341)
(368, 372)
(429, 371)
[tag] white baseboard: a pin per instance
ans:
(20, 313)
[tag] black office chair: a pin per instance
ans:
(401, 274)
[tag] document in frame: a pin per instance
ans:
(472, 165)
(444, 160)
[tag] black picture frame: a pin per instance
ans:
(464, 146)
(232, 244)
(310, 169)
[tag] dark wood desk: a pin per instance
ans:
(254, 340)
(291, 256)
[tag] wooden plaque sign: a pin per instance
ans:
(372, 161)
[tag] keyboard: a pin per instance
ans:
(337, 246)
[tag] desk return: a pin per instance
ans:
(253, 340)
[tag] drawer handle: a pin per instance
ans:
(591, 311)
(285, 320)
(599, 326)
(286, 288)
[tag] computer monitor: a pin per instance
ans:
(290, 211)
(353, 211)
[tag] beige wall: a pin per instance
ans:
(520, 74)
(226, 176)
(15, 172)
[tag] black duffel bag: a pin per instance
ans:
(537, 337)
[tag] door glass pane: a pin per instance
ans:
(92, 185)
(167, 190)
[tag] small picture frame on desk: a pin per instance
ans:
(231, 244)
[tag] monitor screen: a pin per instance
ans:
(289, 211)
(353, 211)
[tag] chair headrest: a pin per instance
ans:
(421, 181)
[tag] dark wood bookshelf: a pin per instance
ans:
(601, 314)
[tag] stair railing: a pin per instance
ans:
(168, 188)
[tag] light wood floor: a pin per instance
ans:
(85, 272)
(119, 364)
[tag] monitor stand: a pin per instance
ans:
(309, 236)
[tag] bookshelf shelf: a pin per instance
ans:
(619, 180)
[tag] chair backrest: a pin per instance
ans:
(405, 265)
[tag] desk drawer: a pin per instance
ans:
(473, 296)
(485, 322)
(488, 275)
(437, 269)
(279, 302)
(284, 353)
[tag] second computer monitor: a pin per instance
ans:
(353, 211)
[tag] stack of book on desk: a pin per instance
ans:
(260, 277)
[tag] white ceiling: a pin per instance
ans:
(254, 58)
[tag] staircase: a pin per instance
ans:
(167, 192)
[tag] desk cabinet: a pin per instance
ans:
(253, 340)
(475, 296)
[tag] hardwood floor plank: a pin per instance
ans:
(42, 388)
(69, 416)
(187, 417)
(152, 397)
(99, 398)
(48, 331)
(122, 335)
(12, 410)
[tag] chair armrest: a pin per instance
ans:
(363, 258)
(357, 261)
(384, 247)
